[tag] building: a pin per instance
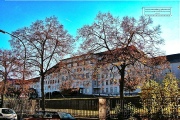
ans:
(77, 73)
(174, 60)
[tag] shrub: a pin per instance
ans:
(160, 99)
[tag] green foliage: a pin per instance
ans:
(160, 98)
(170, 86)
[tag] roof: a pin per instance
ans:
(116, 52)
(18, 81)
(173, 58)
(64, 62)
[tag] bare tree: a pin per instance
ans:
(8, 68)
(127, 44)
(46, 43)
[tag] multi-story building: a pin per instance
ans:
(174, 60)
(77, 73)
(83, 73)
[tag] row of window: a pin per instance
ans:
(112, 90)
(52, 88)
(52, 81)
(80, 63)
(86, 83)
(107, 82)
(83, 76)
(82, 69)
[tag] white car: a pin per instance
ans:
(7, 114)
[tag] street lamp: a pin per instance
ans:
(49, 90)
(24, 64)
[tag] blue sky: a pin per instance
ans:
(15, 14)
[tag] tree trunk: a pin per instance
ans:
(2, 100)
(3, 92)
(121, 90)
(42, 91)
(121, 81)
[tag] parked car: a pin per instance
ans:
(7, 114)
(51, 115)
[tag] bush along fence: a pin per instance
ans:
(113, 108)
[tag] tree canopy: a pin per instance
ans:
(127, 44)
(46, 43)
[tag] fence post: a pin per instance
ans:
(102, 109)
(33, 106)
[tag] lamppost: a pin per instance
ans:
(24, 63)
(49, 90)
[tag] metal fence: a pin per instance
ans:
(167, 108)
(134, 107)
(86, 108)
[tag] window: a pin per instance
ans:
(95, 82)
(77, 83)
(102, 90)
(102, 76)
(8, 111)
(69, 65)
(99, 83)
(75, 77)
(111, 74)
(82, 76)
(106, 90)
(111, 81)
(81, 83)
(75, 64)
(57, 87)
(69, 77)
(84, 83)
(87, 75)
(59, 75)
(84, 68)
(106, 75)
(87, 90)
(79, 69)
(91, 62)
(99, 76)
(102, 83)
(106, 82)
(63, 78)
(111, 89)
(115, 89)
